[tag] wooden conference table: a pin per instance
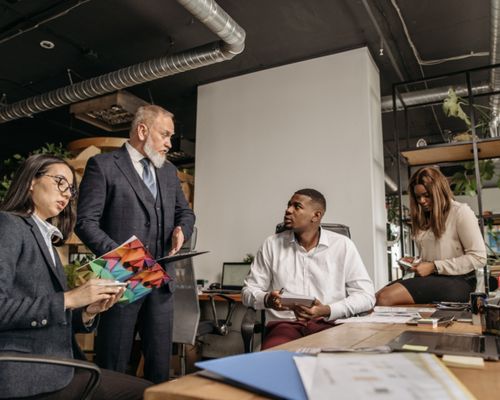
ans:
(484, 384)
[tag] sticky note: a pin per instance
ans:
(463, 361)
(414, 347)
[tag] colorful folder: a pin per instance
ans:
(130, 262)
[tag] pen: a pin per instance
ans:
(282, 290)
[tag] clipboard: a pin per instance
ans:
(180, 256)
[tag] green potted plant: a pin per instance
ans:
(11, 164)
(464, 182)
(452, 107)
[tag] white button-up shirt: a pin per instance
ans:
(48, 231)
(332, 272)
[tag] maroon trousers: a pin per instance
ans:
(279, 332)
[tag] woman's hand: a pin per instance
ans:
(92, 291)
(424, 268)
(316, 311)
(100, 306)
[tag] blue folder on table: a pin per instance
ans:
(269, 372)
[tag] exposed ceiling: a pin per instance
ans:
(98, 36)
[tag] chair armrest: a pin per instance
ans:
(248, 327)
(222, 326)
(95, 372)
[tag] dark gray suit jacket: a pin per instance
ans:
(112, 204)
(32, 315)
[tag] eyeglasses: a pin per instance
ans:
(63, 184)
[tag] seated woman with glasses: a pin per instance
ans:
(38, 313)
(449, 242)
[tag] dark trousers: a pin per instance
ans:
(153, 318)
(113, 385)
(280, 332)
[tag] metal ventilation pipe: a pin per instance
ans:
(430, 95)
(494, 59)
(207, 11)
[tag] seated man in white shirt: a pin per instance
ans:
(307, 260)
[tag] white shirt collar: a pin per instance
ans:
(48, 230)
(133, 152)
(323, 239)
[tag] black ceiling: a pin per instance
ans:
(99, 36)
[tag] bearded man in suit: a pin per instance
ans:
(135, 191)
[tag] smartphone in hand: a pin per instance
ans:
(405, 264)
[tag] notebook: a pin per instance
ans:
(233, 277)
(485, 346)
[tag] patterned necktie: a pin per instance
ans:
(147, 177)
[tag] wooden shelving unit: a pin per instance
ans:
(480, 149)
(452, 152)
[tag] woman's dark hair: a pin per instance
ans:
(18, 199)
(441, 195)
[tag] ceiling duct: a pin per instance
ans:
(425, 97)
(207, 11)
(494, 59)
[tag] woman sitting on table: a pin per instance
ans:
(449, 243)
(37, 311)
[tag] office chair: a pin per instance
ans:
(250, 325)
(187, 325)
(94, 371)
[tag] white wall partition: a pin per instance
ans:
(264, 135)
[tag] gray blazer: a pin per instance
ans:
(112, 204)
(32, 315)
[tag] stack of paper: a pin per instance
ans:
(383, 376)
(389, 315)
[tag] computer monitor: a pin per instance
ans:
(234, 274)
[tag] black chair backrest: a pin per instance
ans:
(337, 228)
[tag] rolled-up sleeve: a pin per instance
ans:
(472, 243)
(258, 281)
(358, 285)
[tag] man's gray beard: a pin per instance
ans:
(155, 157)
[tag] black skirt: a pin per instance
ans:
(434, 288)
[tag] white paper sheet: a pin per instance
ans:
(381, 317)
(306, 366)
(384, 376)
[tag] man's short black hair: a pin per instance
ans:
(315, 196)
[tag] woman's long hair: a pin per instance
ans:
(18, 199)
(440, 193)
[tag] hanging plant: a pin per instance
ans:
(452, 107)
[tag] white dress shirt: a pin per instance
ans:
(332, 272)
(136, 158)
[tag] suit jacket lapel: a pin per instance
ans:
(56, 270)
(124, 163)
(60, 271)
(162, 181)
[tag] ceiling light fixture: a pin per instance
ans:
(113, 112)
(47, 44)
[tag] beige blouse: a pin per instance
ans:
(460, 249)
